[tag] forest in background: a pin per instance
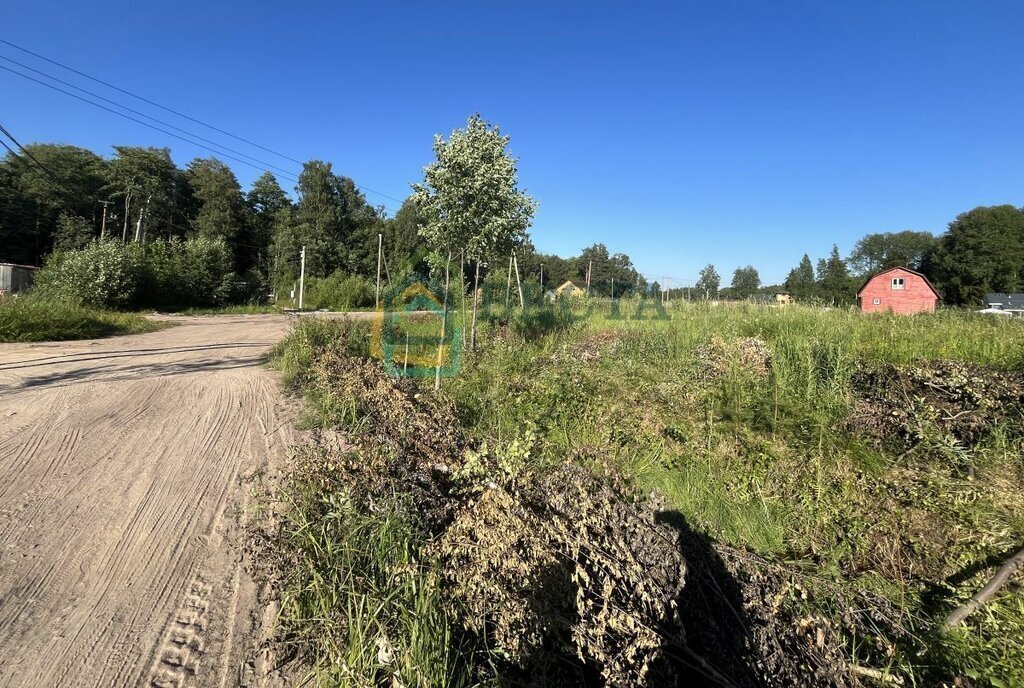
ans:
(53, 199)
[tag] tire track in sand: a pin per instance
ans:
(119, 560)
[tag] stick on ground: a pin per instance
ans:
(1002, 576)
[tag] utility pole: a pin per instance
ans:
(590, 264)
(302, 274)
(103, 227)
(542, 278)
(380, 246)
(613, 288)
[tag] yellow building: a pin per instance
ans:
(571, 288)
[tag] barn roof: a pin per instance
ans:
(900, 267)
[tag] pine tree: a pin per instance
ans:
(834, 282)
(800, 283)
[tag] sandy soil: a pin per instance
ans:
(122, 489)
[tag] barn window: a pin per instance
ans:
(876, 301)
(897, 283)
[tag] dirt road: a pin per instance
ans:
(120, 469)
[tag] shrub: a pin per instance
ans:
(163, 274)
(104, 274)
(340, 292)
(251, 288)
(206, 275)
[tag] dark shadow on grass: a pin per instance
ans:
(719, 644)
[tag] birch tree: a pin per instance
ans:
(471, 201)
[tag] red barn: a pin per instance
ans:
(899, 290)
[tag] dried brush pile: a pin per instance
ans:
(567, 576)
(407, 439)
(748, 354)
(948, 403)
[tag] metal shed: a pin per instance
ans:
(15, 278)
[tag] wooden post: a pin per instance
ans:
(519, 283)
(444, 325)
(302, 275)
(508, 282)
(380, 243)
(462, 293)
(476, 291)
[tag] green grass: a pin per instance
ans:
(767, 463)
(760, 460)
(32, 319)
(360, 601)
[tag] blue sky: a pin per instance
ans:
(680, 133)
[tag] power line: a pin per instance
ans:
(146, 100)
(162, 107)
(143, 114)
(139, 121)
(9, 149)
(49, 175)
(27, 153)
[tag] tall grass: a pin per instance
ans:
(361, 603)
(762, 459)
(769, 462)
(34, 319)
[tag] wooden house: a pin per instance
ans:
(571, 288)
(898, 290)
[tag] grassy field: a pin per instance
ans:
(828, 443)
(31, 319)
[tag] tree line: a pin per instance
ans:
(981, 252)
(58, 198)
